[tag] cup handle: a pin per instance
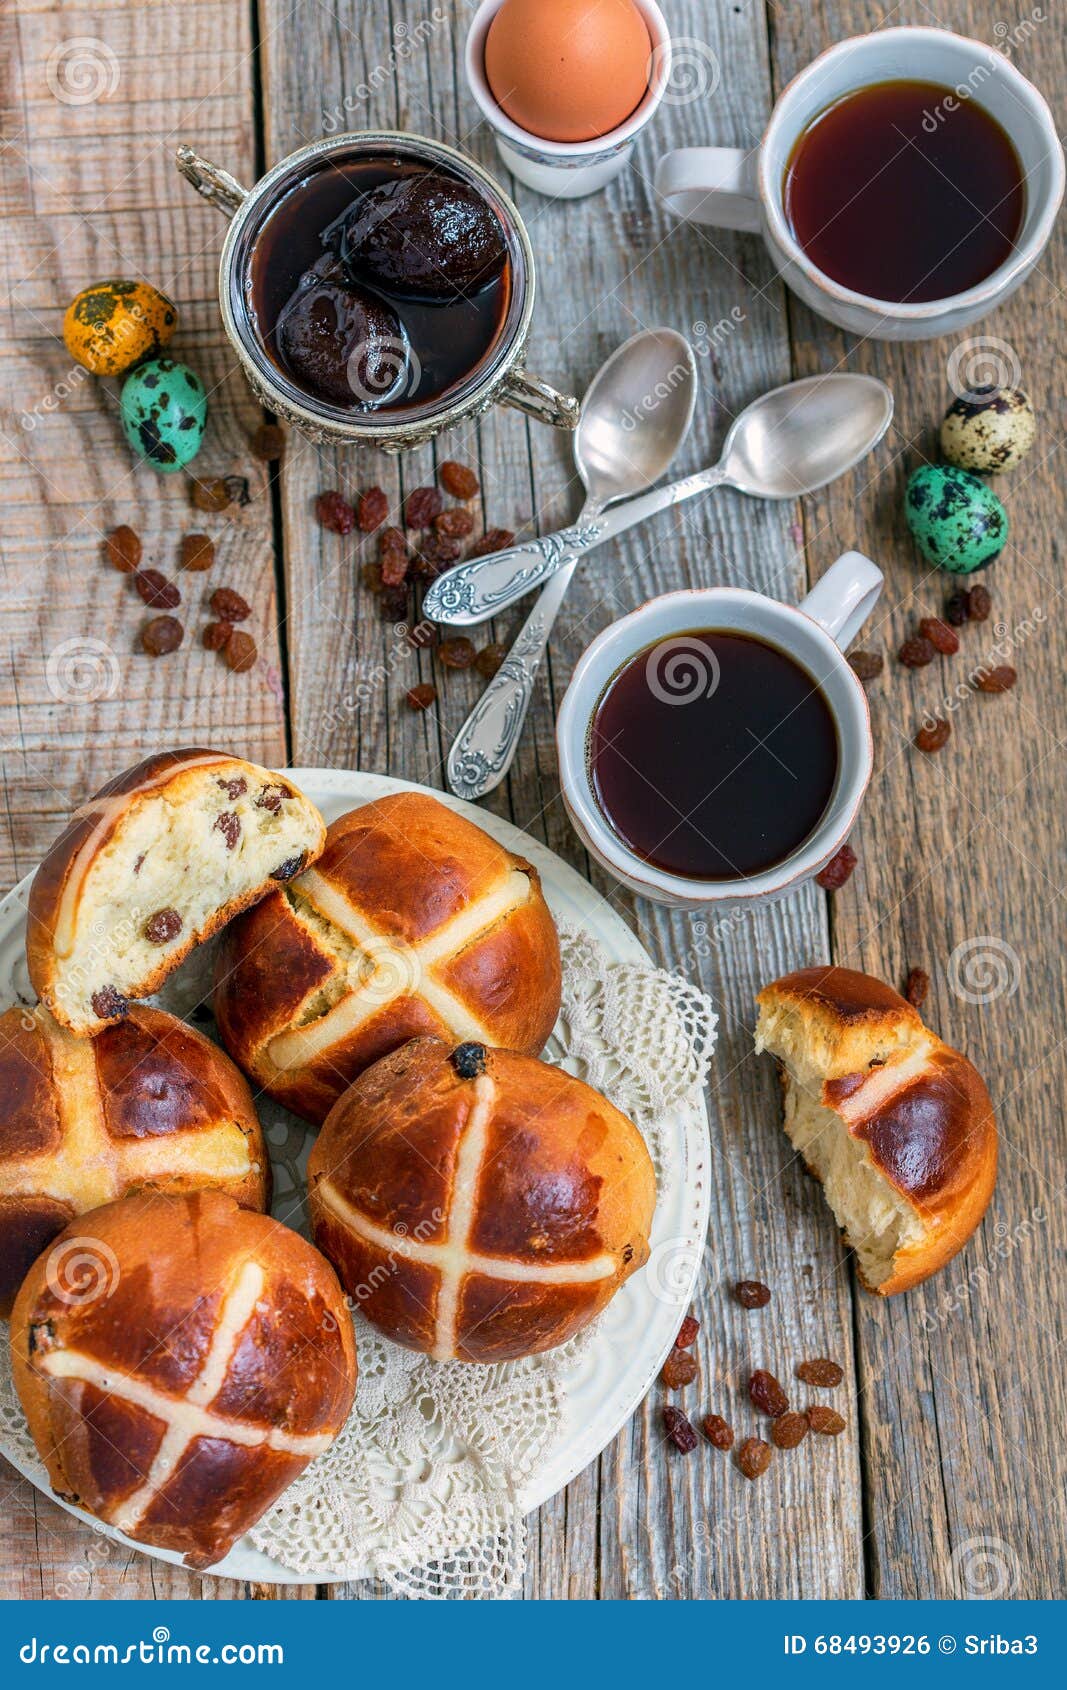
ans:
(842, 601)
(710, 185)
(526, 393)
(217, 186)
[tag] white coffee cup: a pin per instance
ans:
(732, 189)
(814, 634)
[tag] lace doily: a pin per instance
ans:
(423, 1486)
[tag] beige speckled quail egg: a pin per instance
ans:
(991, 429)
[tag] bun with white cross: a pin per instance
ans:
(191, 1377)
(413, 922)
(479, 1205)
(148, 1104)
(896, 1124)
(159, 860)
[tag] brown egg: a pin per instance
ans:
(568, 70)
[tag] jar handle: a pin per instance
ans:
(217, 186)
(526, 393)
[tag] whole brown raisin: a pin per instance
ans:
(979, 603)
(434, 553)
(1001, 679)
(754, 1457)
(229, 606)
(821, 1371)
(766, 1393)
(838, 869)
(825, 1420)
(457, 652)
(956, 609)
(866, 664)
(916, 653)
(229, 825)
(718, 1431)
(679, 1430)
(392, 540)
(211, 496)
(420, 697)
(290, 868)
(197, 553)
(109, 1001)
(458, 480)
(268, 443)
(918, 984)
(455, 523)
(240, 651)
(752, 1293)
(933, 735)
(421, 506)
(335, 513)
(490, 659)
(154, 588)
(372, 508)
(372, 575)
(940, 635)
(393, 566)
(216, 634)
(789, 1430)
(493, 540)
(123, 549)
(162, 927)
(687, 1333)
(680, 1368)
(162, 634)
(393, 603)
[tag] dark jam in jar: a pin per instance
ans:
(380, 284)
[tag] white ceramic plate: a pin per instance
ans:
(614, 1372)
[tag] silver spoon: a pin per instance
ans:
(791, 441)
(634, 417)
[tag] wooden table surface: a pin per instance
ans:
(950, 1478)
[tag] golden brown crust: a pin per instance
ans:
(102, 1376)
(477, 1203)
(149, 1103)
(349, 942)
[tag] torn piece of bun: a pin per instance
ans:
(896, 1124)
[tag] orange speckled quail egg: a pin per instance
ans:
(568, 70)
(111, 326)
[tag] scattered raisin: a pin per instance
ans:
(421, 506)
(918, 984)
(1001, 679)
(162, 634)
(216, 634)
(124, 549)
(393, 603)
(229, 826)
(493, 540)
(752, 1293)
(268, 443)
(392, 540)
(393, 566)
(916, 653)
(687, 1332)
(372, 575)
(335, 513)
(754, 1457)
(838, 869)
(420, 697)
(162, 927)
(154, 588)
(718, 1431)
(455, 523)
(434, 553)
(456, 653)
(680, 1368)
(866, 664)
(458, 480)
(198, 552)
(820, 1371)
(826, 1420)
(240, 651)
(212, 496)
(789, 1430)
(940, 635)
(679, 1430)
(979, 603)
(229, 606)
(933, 735)
(372, 508)
(956, 609)
(290, 868)
(490, 659)
(766, 1393)
(109, 1001)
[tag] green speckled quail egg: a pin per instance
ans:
(164, 409)
(957, 521)
(989, 430)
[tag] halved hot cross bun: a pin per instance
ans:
(160, 859)
(413, 921)
(896, 1124)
